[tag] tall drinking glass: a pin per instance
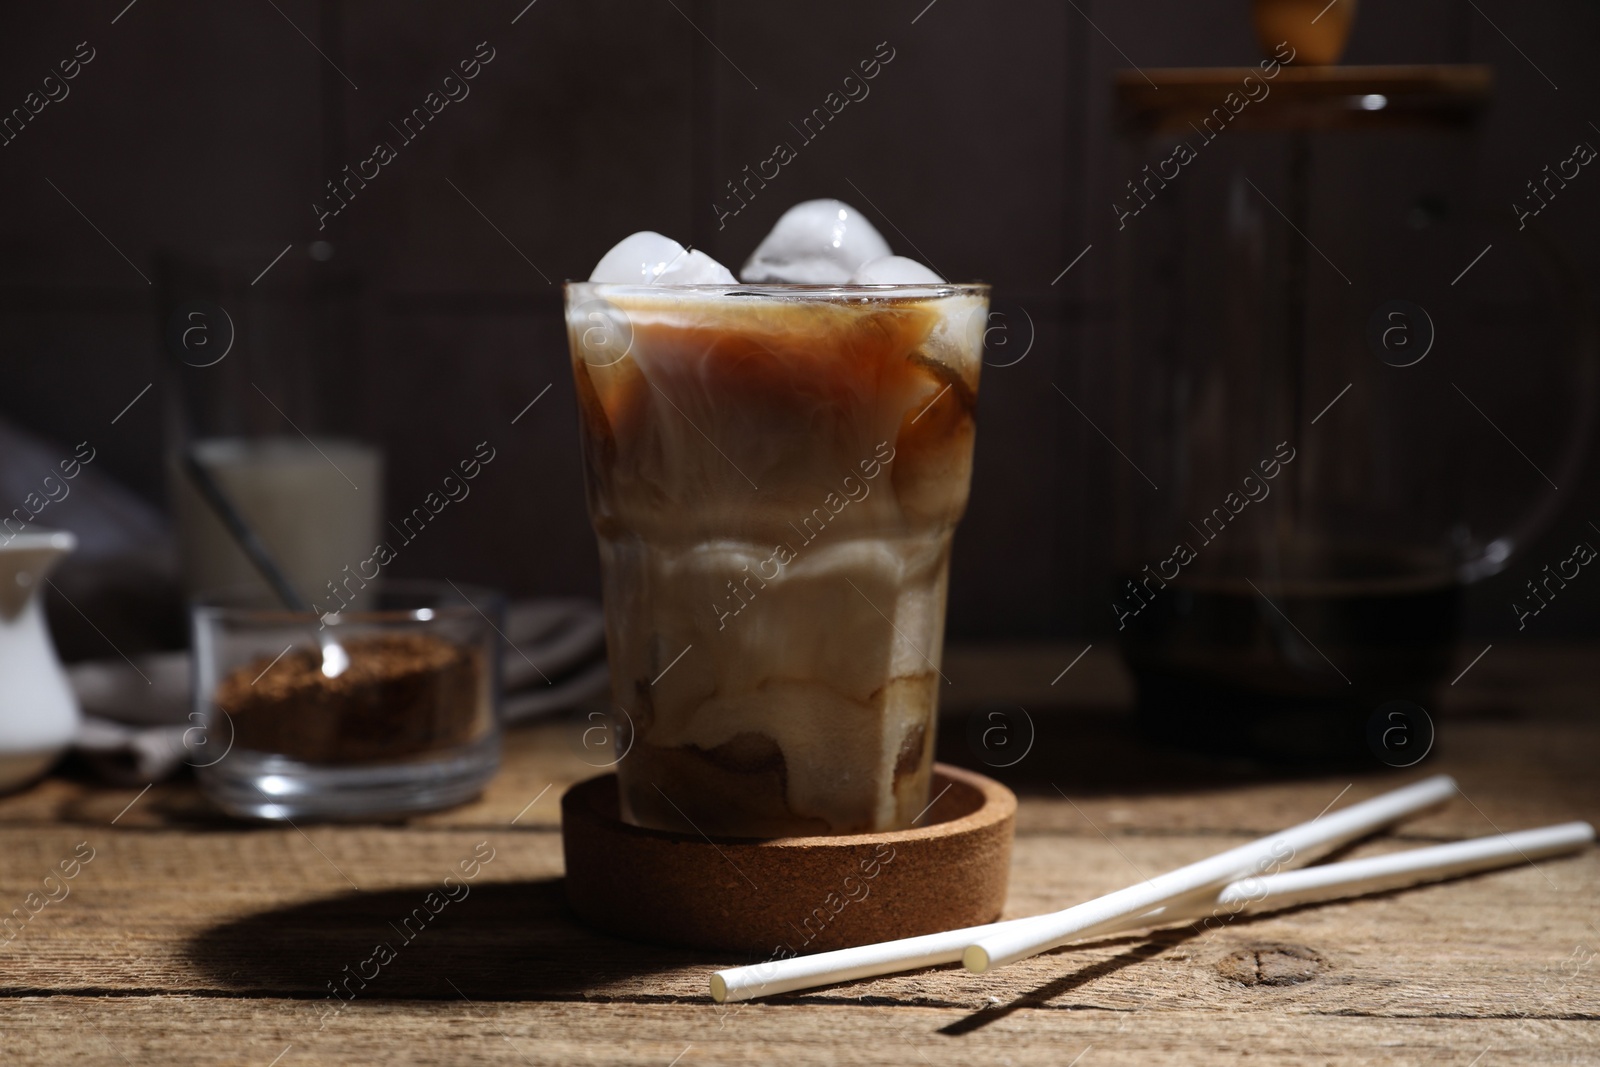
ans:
(774, 476)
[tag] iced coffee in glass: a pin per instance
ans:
(774, 475)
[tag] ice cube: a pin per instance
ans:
(894, 270)
(648, 258)
(638, 258)
(696, 268)
(820, 242)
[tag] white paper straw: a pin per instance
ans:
(1256, 858)
(1392, 871)
(846, 964)
(928, 950)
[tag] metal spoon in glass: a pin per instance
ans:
(334, 658)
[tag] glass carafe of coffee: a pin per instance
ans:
(1347, 387)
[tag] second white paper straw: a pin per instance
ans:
(1393, 870)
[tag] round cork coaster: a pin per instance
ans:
(791, 895)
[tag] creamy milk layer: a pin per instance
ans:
(774, 476)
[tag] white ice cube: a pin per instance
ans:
(638, 258)
(894, 270)
(696, 268)
(819, 242)
(648, 258)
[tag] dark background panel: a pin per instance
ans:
(986, 146)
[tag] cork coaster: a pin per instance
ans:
(791, 895)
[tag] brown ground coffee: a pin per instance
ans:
(403, 694)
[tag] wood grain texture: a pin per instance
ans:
(190, 939)
(179, 1031)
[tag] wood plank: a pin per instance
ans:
(180, 1031)
(190, 938)
(271, 913)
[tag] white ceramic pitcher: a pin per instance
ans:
(38, 711)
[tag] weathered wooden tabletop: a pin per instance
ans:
(190, 939)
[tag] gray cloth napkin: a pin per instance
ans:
(140, 723)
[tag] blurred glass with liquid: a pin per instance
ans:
(265, 377)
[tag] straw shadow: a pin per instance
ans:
(501, 941)
(1036, 998)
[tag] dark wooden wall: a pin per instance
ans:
(985, 146)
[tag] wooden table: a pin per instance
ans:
(190, 939)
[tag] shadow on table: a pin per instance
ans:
(1139, 950)
(501, 941)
